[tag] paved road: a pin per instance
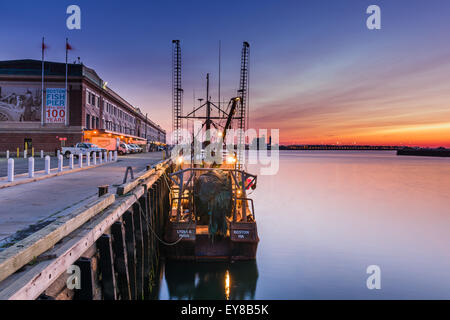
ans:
(26, 205)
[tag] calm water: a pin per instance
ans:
(324, 218)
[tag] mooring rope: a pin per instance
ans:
(150, 227)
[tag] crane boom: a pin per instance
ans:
(233, 108)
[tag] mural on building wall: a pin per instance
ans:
(20, 104)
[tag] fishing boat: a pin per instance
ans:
(211, 216)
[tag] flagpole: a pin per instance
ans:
(66, 83)
(42, 91)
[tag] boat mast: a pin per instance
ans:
(177, 98)
(243, 94)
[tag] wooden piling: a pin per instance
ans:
(139, 252)
(146, 244)
(104, 246)
(131, 250)
(120, 260)
(86, 291)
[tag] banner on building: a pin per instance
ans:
(55, 111)
(20, 103)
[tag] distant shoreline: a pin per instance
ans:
(400, 151)
(337, 147)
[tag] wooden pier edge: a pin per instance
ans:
(37, 278)
(66, 241)
(24, 251)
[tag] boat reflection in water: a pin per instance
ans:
(212, 280)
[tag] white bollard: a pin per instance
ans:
(71, 161)
(31, 167)
(88, 159)
(110, 156)
(115, 156)
(80, 160)
(94, 158)
(100, 157)
(10, 170)
(7, 154)
(25, 154)
(60, 163)
(42, 154)
(105, 156)
(47, 164)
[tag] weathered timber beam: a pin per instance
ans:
(24, 251)
(30, 283)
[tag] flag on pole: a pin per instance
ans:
(43, 47)
(68, 47)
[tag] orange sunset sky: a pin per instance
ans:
(316, 72)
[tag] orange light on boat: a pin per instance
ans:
(231, 159)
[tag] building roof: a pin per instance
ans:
(29, 67)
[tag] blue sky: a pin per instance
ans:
(317, 73)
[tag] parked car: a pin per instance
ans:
(138, 148)
(133, 148)
(123, 149)
(81, 147)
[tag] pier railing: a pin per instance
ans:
(106, 249)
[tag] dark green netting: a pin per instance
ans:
(213, 200)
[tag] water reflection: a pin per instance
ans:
(324, 218)
(190, 280)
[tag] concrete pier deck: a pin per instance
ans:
(27, 206)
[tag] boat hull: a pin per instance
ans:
(241, 243)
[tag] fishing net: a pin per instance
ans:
(213, 200)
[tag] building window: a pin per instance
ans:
(88, 121)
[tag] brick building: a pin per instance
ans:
(93, 109)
